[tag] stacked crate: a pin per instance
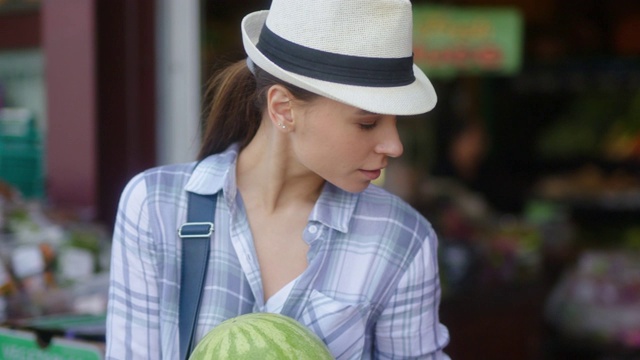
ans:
(21, 163)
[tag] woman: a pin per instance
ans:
(294, 137)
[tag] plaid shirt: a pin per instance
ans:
(370, 291)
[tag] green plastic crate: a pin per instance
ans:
(21, 163)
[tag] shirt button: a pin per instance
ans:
(313, 229)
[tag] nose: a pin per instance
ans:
(390, 143)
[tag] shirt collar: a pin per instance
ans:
(213, 172)
(334, 207)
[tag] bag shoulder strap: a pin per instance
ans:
(195, 235)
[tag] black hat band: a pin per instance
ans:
(332, 67)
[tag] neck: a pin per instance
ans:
(270, 177)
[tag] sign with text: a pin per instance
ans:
(467, 40)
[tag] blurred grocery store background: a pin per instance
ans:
(528, 168)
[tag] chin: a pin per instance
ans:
(353, 188)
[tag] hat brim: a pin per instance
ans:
(416, 98)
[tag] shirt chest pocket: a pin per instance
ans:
(341, 325)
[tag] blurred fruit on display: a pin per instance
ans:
(598, 300)
(50, 263)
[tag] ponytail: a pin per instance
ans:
(237, 99)
(232, 115)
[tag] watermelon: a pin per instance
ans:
(261, 336)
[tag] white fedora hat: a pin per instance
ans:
(358, 52)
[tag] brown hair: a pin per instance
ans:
(236, 100)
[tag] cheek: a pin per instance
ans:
(330, 145)
(326, 152)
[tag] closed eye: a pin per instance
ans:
(368, 126)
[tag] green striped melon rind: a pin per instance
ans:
(262, 336)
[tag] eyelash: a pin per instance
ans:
(368, 126)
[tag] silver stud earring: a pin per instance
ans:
(282, 125)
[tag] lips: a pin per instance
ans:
(371, 174)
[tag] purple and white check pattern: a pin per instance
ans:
(371, 289)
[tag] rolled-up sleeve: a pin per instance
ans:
(133, 309)
(409, 326)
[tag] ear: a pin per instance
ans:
(279, 107)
